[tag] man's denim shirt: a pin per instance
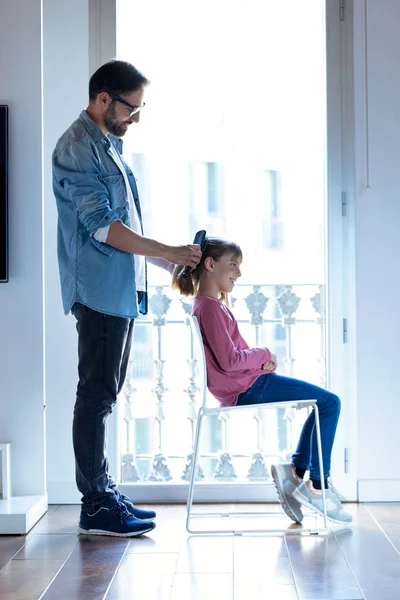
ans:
(90, 193)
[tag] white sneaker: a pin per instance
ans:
(286, 481)
(312, 498)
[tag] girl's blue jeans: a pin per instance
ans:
(276, 388)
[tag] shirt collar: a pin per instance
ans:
(92, 127)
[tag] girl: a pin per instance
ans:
(238, 375)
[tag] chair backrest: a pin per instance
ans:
(199, 354)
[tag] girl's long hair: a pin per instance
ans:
(216, 248)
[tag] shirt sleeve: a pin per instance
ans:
(214, 325)
(78, 174)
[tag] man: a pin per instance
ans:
(101, 254)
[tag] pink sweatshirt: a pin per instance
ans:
(232, 367)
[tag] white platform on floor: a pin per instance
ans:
(18, 514)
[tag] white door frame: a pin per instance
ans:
(340, 251)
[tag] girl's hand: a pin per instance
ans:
(271, 365)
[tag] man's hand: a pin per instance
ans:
(271, 365)
(189, 255)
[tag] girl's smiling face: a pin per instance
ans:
(224, 272)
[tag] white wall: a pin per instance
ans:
(25, 336)
(65, 85)
(377, 235)
(21, 300)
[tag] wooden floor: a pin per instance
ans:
(52, 561)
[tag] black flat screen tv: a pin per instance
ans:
(3, 193)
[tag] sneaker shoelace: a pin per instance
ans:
(120, 511)
(125, 500)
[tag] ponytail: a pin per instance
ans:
(184, 285)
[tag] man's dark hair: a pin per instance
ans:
(118, 77)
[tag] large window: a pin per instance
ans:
(232, 140)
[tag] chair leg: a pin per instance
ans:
(321, 465)
(194, 469)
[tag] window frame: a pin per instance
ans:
(340, 254)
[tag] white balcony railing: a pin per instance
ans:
(161, 394)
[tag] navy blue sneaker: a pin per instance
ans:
(113, 518)
(139, 513)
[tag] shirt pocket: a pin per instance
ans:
(116, 188)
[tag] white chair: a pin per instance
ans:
(204, 411)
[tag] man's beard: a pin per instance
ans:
(118, 129)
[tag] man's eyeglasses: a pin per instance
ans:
(132, 108)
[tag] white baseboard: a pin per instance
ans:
(379, 490)
(224, 491)
(18, 514)
(149, 492)
(65, 492)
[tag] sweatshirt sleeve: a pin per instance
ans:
(214, 324)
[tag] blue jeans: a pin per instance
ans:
(276, 388)
(104, 344)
